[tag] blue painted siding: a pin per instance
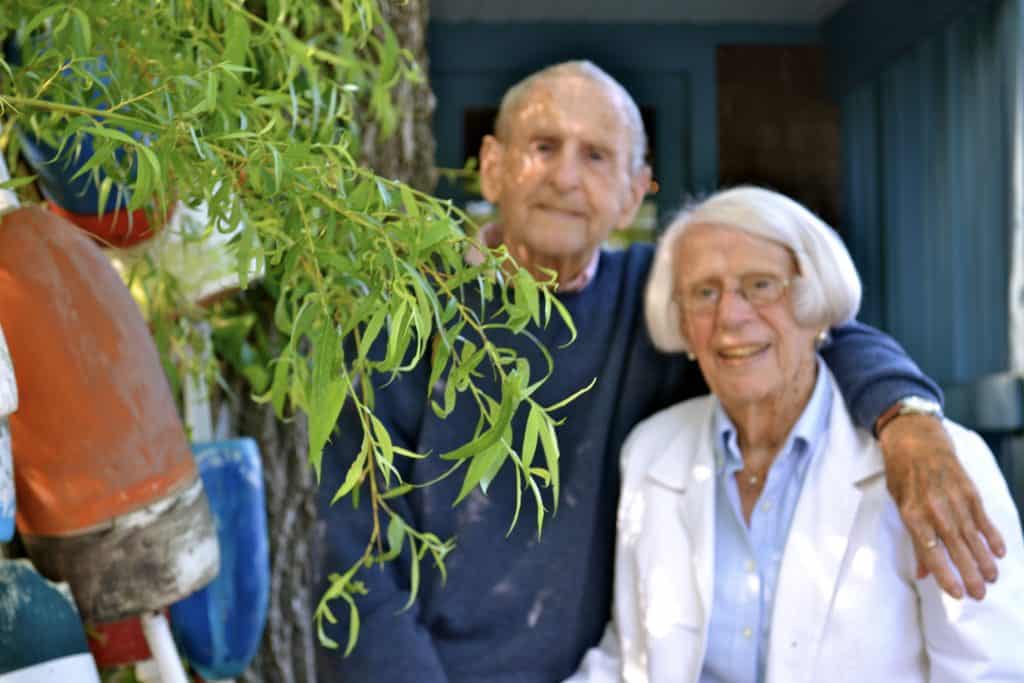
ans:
(927, 143)
(866, 36)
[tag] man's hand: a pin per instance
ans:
(940, 505)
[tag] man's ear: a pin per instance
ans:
(639, 184)
(492, 154)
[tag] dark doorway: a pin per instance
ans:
(777, 126)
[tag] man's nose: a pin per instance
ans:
(566, 172)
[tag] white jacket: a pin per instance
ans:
(848, 606)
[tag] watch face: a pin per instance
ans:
(919, 406)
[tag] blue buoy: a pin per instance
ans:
(218, 628)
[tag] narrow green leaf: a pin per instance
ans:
(210, 103)
(531, 434)
(354, 474)
(412, 207)
(414, 573)
(550, 444)
(328, 392)
(397, 491)
(566, 318)
(384, 445)
(16, 182)
(569, 399)
(396, 534)
(372, 330)
(482, 468)
(526, 290)
(353, 624)
(494, 432)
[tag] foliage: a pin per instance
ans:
(249, 108)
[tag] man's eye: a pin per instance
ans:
(763, 283)
(705, 293)
(597, 155)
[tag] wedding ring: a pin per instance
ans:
(932, 544)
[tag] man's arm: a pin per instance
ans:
(937, 500)
(393, 646)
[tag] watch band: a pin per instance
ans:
(908, 405)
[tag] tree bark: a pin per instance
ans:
(408, 154)
(287, 651)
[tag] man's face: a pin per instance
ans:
(562, 174)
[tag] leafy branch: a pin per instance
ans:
(249, 110)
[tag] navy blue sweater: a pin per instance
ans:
(519, 609)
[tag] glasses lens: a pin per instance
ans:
(761, 289)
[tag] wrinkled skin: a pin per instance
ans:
(937, 501)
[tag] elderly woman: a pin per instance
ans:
(757, 540)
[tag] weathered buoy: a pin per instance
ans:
(41, 634)
(109, 498)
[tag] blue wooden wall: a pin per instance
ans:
(926, 142)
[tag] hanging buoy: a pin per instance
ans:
(109, 498)
(41, 634)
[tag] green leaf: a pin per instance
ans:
(328, 392)
(494, 432)
(414, 573)
(572, 397)
(531, 434)
(354, 473)
(397, 491)
(412, 207)
(16, 182)
(236, 42)
(385, 447)
(482, 469)
(372, 330)
(353, 624)
(550, 444)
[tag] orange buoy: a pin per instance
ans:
(109, 498)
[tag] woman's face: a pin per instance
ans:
(749, 352)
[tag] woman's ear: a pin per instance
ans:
(492, 154)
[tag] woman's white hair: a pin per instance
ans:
(826, 291)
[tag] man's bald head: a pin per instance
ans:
(516, 96)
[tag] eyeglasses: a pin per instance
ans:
(758, 289)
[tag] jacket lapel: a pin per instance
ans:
(817, 546)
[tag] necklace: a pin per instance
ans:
(752, 478)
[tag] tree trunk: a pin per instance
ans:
(408, 154)
(287, 652)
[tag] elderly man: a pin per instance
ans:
(565, 168)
